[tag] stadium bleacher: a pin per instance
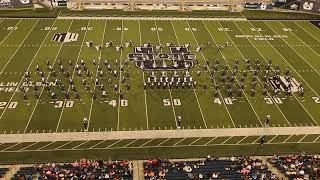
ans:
(3, 171)
(232, 168)
(298, 166)
(83, 169)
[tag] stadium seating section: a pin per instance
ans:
(3, 171)
(84, 169)
(233, 168)
(298, 166)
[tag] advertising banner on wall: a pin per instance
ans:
(299, 5)
(14, 3)
(310, 5)
(258, 6)
(59, 3)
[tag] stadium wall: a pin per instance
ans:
(182, 5)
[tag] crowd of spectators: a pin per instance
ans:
(83, 169)
(210, 168)
(3, 171)
(298, 166)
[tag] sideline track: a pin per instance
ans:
(152, 134)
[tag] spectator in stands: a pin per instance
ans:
(233, 168)
(298, 166)
(84, 169)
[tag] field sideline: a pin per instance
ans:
(25, 43)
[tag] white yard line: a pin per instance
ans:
(242, 140)
(178, 142)
(303, 137)
(145, 103)
(79, 145)
(74, 70)
(300, 76)
(227, 140)
(10, 146)
(145, 91)
(287, 139)
(223, 57)
(316, 53)
(146, 143)
(97, 144)
(10, 32)
(257, 139)
(290, 64)
(203, 119)
(46, 145)
(25, 38)
(166, 141)
(34, 108)
(264, 60)
(315, 140)
(211, 140)
(131, 143)
(272, 139)
(195, 141)
(2, 19)
(28, 146)
(63, 145)
(94, 88)
(214, 79)
(300, 40)
(114, 143)
(26, 70)
(119, 99)
(194, 91)
(173, 109)
(306, 31)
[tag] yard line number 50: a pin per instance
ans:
(168, 102)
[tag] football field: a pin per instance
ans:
(221, 49)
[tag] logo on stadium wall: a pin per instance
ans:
(308, 6)
(25, 1)
(14, 3)
(65, 37)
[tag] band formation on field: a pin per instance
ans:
(63, 75)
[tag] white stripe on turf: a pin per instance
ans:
(34, 108)
(121, 52)
(173, 109)
(259, 78)
(92, 99)
(74, 70)
(10, 32)
(194, 91)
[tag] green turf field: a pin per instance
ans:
(25, 43)
(294, 45)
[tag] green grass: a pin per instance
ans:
(260, 14)
(310, 138)
(30, 44)
(145, 153)
(250, 139)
